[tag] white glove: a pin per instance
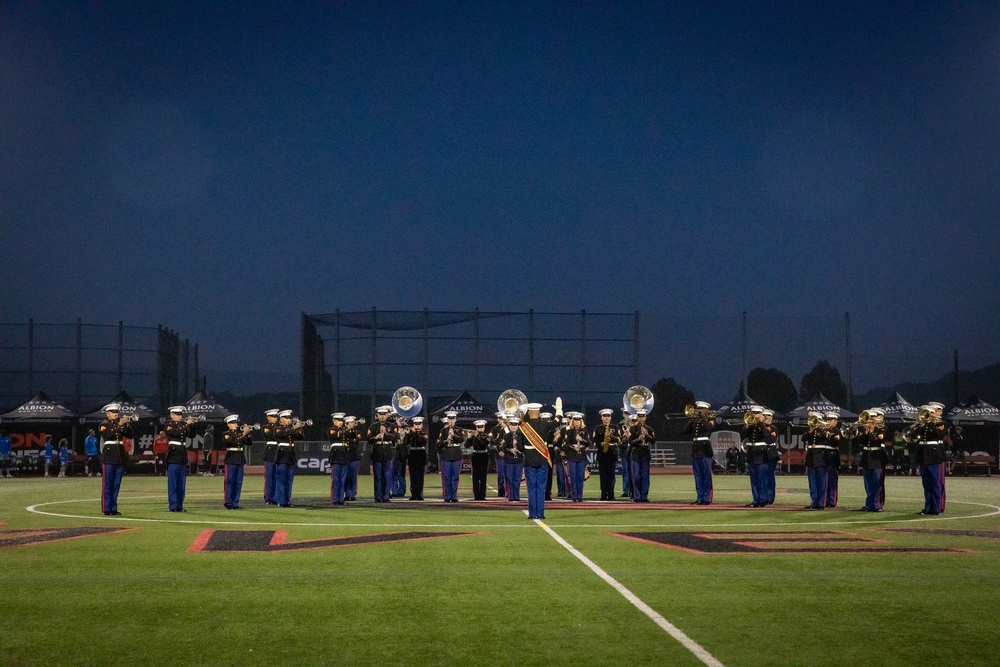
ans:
(558, 406)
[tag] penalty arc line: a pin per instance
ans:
(691, 645)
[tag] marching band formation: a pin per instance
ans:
(531, 446)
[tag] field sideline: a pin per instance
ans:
(478, 583)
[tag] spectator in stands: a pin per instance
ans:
(47, 455)
(92, 449)
(5, 454)
(207, 445)
(63, 456)
(160, 454)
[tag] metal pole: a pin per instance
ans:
(850, 381)
(956, 378)
(121, 356)
(79, 362)
(187, 367)
(197, 373)
(475, 353)
(374, 360)
(426, 360)
(636, 371)
(583, 360)
(746, 383)
(31, 357)
(336, 364)
(531, 350)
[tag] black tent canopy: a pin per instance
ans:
(819, 403)
(202, 405)
(898, 410)
(40, 409)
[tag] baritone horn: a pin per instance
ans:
(407, 402)
(637, 398)
(510, 401)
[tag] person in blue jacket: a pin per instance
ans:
(5, 454)
(92, 449)
(48, 453)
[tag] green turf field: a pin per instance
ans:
(777, 586)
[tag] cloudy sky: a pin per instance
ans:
(221, 168)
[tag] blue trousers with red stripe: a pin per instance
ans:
(351, 481)
(536, 479)
(501, 479)
(702, 469)
(450, 471)
(176, 485)
(577, 469)
(269, 481)
(233, 484)
(513, 472)
(111, 483)
(874, 489)
(817, 486)
(932, 477)
(832, 483)
(338, 476)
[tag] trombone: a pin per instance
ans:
(690, 411)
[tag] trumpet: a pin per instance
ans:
(298, 423)
(128, 418)
(815, 422)
(250, 427)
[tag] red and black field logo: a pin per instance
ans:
(813, 542)
(272, 541)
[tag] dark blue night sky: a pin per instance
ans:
(219, 169)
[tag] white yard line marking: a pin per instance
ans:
(671, 629)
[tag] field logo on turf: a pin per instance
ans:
(812, 542)
(25, 538)
(271, 541)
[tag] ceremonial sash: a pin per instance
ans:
(536, 441)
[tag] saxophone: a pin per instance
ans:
(607, 439)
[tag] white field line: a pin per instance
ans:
(36, 509)
(671, 629)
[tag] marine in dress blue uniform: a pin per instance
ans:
(382, 436)
(870, 442)
(415, 441)
(559, 462)
(927, 436)
(755, 447)
(497, 434)
(769, 485)
(479, 444)
(451, 439)
(833, 462)
(699, 428)
(178, 431)
(236, 439)
(606, 438)
(113, 430)
(285, 458)
(535, 432)
(623, 450)
(641, 437)
(399, 464)
(355, 448)
(272, 432)
(340, 457)
(513, 458)
(574, 445)
(818, 452)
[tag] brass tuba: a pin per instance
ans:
(637, 398)
(407, 402)
(510, 401)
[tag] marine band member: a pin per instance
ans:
(236, 440)
(382, 436)
(451, 439)
(700, 428)
(871, 442)
(513, 458)
(355, 448)
(479, 443)
(497, 434)
(340, 457)
(415, 441)
(113, 431)
(928, 438)
(534, 436)
(606, 438)
(272, 432)
(640, 438)
(178, 430)
(285, 459)
(574, 446)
